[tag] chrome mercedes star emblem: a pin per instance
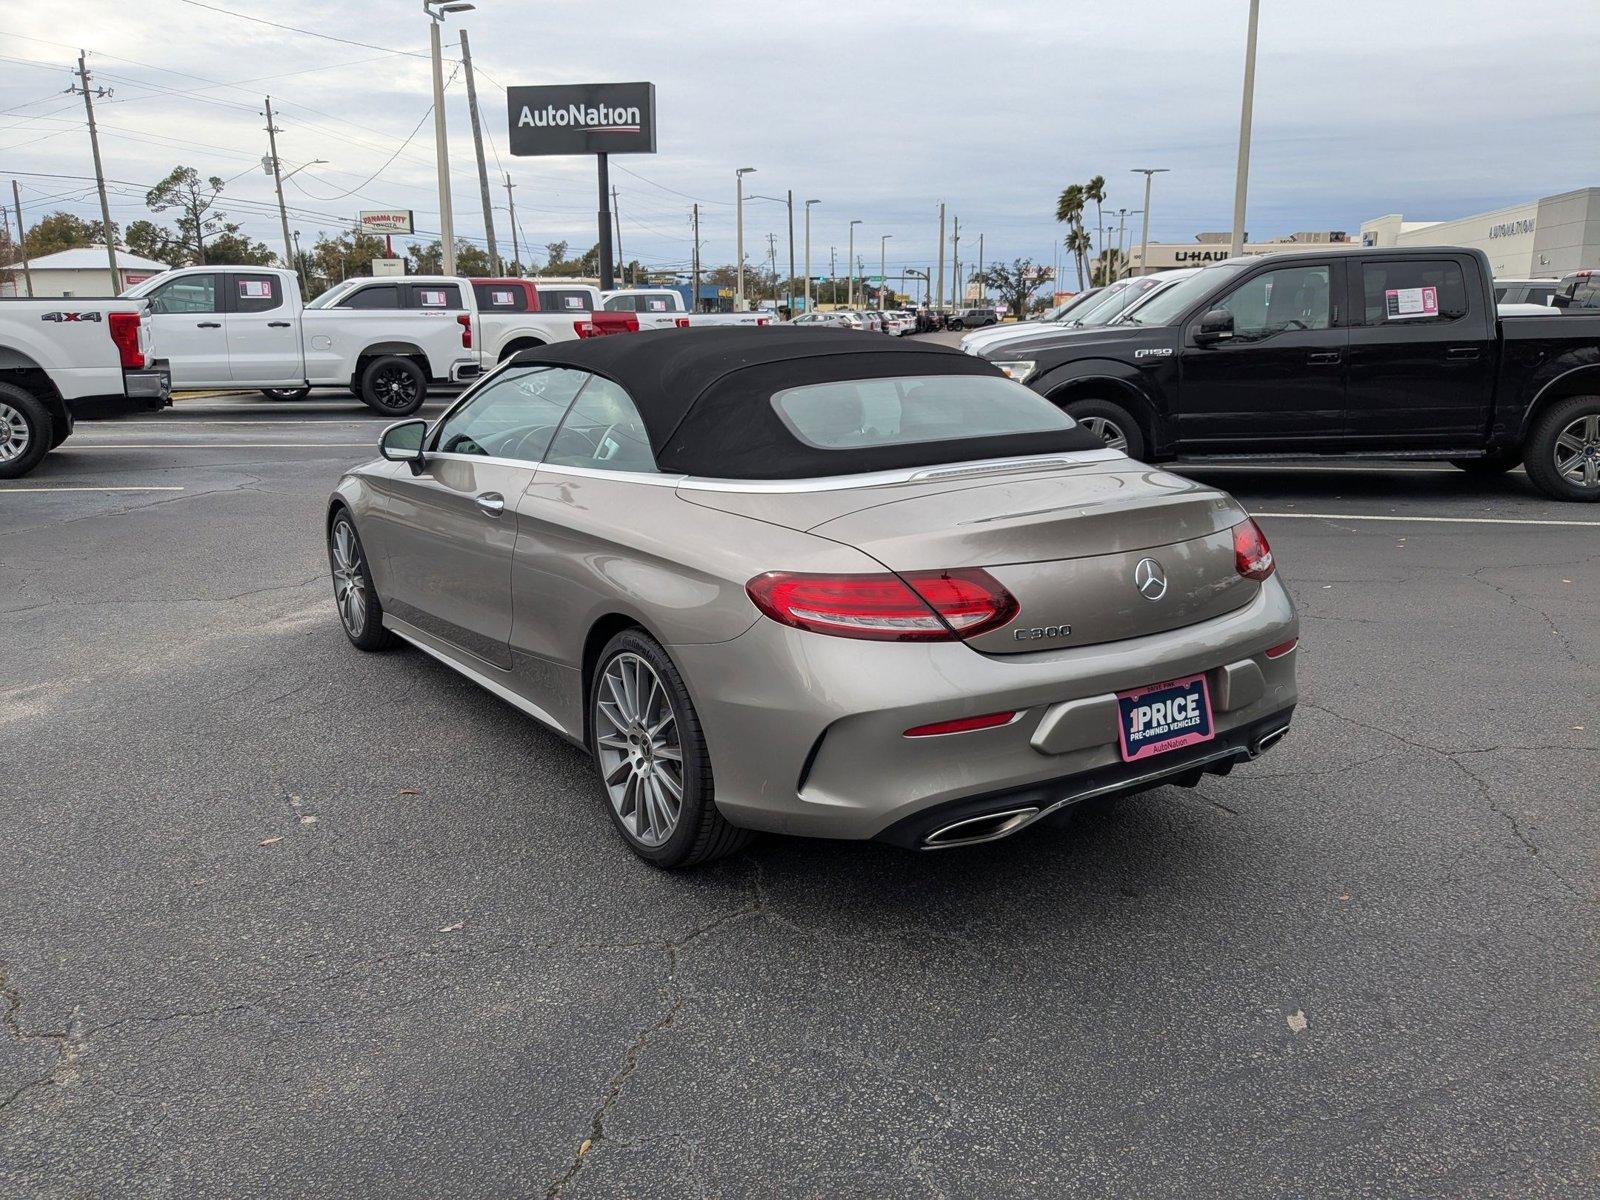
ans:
(1150, 579)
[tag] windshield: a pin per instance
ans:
(1126, 295)
(1173, 302)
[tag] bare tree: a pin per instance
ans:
(194, 199)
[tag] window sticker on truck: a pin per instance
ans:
(502, 298)
(573, 301)
(657, 305)
(431, 297)
(1400, 304)
(255, 289)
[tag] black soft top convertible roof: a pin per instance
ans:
(704, 396)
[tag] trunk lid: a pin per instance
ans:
(1067, 543)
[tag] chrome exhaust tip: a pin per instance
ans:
(988, 827)
(1270, 739)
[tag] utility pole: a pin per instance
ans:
(788, 289)
(809, 203)
(981, 284)
(939, 295)
(738, 295)
(955, 263)
(483, 168)
(616, 215)
(22, 238)
(850, 262)
(441, 148)
(695, 259)
(277, 183)
(833, 272)
(772, 265)
(511, 206)
(883, 264)
(1144, 241)
(1247, 103)
(88, 94)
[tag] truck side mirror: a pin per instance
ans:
(402, 442)
(1215, 326)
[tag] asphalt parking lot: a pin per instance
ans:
(281, 918)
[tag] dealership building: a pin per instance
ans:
(1541, 238)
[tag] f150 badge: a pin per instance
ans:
(1152, 353)
(69, 316)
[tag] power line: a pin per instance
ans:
(327, 37)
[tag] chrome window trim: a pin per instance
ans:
(969, 469)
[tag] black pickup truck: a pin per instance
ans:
(1394, 353)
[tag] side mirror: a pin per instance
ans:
(402, 442)
(1215, 326)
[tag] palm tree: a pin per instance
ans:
(1069, 207)
(1078, 243)
(1095, 190)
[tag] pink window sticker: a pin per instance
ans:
(505, 298)
(573, 302)
(657, 305)
(432, 298)
(255, 289)
(1404, 304)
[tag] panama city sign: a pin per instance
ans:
(583, 118)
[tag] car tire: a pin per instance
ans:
(1497, 463)
(394, 386)
(27, 432)
(299, 393)
(1112, 423)
(956, 325)
(355, 597)
(634, 741)
(1563, 451)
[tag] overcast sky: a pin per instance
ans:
(880, 110)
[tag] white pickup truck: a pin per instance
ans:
(68, 357)
(387, 340)
(663, 308)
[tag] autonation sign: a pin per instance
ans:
(583, 118)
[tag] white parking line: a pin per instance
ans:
(373, 446)
(91, 489)
(1180, 467)
(1303, 516)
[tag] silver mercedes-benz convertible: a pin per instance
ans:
(800, 581)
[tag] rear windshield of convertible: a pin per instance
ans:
(855, 414)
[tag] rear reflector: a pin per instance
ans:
(1251, 554)
(962, 725)
(921, 606)
(1283, 648)
(125, 333)
(681, 322)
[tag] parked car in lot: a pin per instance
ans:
(67, 357)
(823, 319)
(1079, 304)
(1579, 290)
(902, 322)
(1394, 352)
(799, 581)
(1525, 291)
(973, 316)
(387, 340)
(512, 317)
(1108, 306)
(663, 308)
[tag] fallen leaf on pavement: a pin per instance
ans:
(453, 928)
(271, 841)
(408, 791)
(1297, 1021)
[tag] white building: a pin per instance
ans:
(1214, 247)
(81, 271)
(1542, 238)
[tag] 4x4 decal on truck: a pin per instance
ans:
(70, 316)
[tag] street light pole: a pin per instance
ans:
(1144, 241)
(809, 203)
(788, 290)
(883, 264)
(850, 261)
(436, 10)
(1246, 104)
(738, 295)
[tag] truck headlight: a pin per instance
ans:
(1018, 369)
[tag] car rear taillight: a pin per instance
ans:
(1283, 648)
(586, 329)
(466, 331)
(1251, 554)
(919, 606)
(962, 725)
(761, 320)
(125, 333)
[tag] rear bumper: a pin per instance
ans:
(464, 371)
(807, 732)
(144, 389)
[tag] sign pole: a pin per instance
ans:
(607, 279)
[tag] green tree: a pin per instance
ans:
(1078, 246)
(194, 199)
(429, 259)
(235, 248)
(1017, 283)
(149, 240)
(1095, 190)
(347, 254)
(555, 252)
(1069, 211)
(59, 231)
(1110, 265)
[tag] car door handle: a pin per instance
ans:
(277, 324)
(492, 504)
(1324, 357)
(208, 324)
(1462, 353)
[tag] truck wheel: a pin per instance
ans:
(26, 432)
(1563, 451)
(286, 393)
(1111, 423)
(394, 386)
(1497, 463)
(957, 325)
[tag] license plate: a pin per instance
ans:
(1164, 716)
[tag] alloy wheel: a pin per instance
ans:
(14, 434)
(1108, 432)
(394, 387)
(641, 756)
(1577, 452)
(349, 580)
